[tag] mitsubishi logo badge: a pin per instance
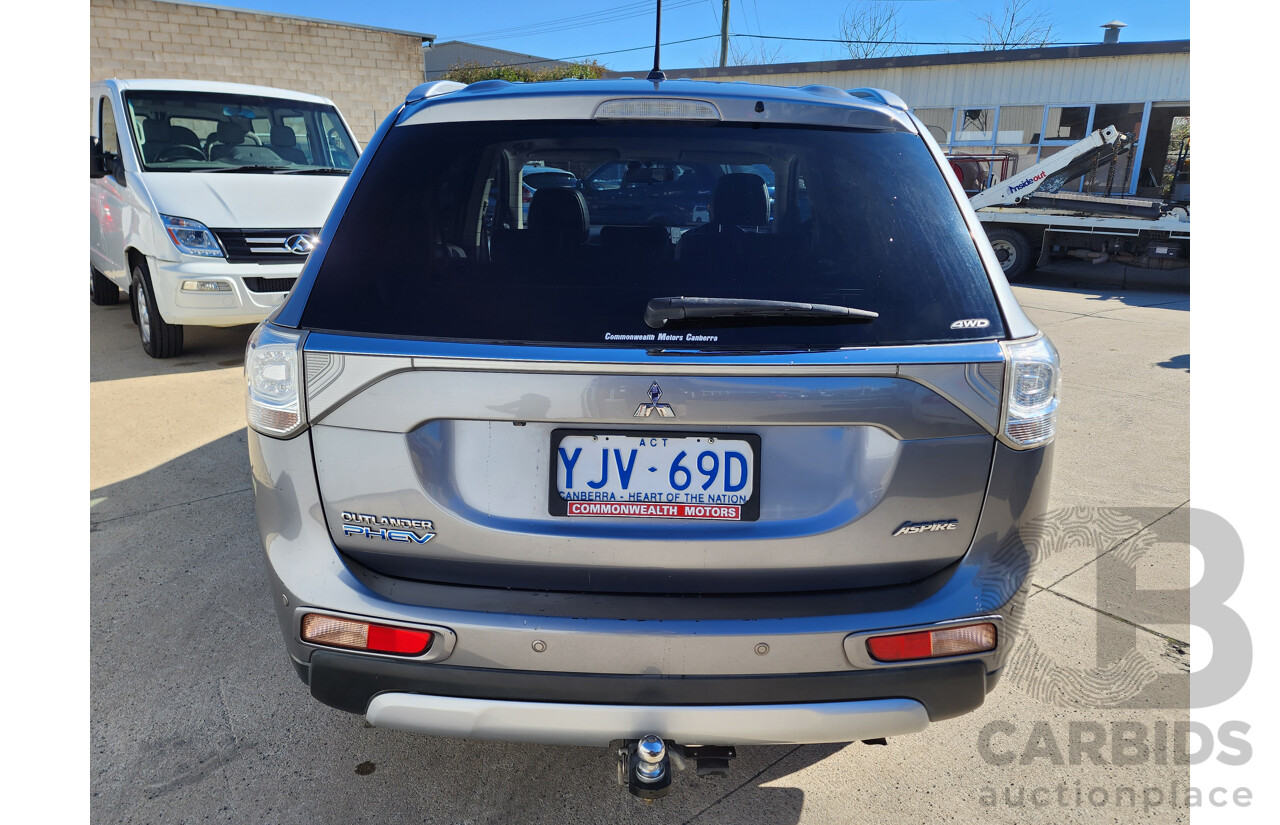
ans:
(646, 410)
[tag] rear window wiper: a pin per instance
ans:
(661, 310)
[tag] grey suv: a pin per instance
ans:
(763, 475)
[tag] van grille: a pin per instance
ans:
(261, 246)
(269, 284)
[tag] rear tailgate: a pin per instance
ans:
(458, 469)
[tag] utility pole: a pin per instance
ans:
(724, 35)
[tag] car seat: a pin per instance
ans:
(225, 140)
(284, 142)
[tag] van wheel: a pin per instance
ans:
(159, 339)
(102, 290)
(1012, 251)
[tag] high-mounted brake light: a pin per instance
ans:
(661, 108)
(351, 634)
(274, 381)
(1032, 382)
(932, 644)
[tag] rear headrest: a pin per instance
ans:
(229, 132)
(560, 214)
(283, 136)
(740, 199)
(156, 131)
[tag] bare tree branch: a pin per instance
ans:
(1018, 24)
(753, 53)
(746, 51)
(870, 29)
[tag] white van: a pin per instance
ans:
(205, 198)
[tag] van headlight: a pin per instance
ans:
(1033, 379)
(273, 402)
(192, 237)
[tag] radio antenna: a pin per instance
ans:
(657, 73)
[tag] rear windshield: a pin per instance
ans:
(449, 237)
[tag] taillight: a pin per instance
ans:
(932, 644)
(274, 381)
(333, 631)
(1033, 379)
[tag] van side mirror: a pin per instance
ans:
(103, 163)
(97, 166)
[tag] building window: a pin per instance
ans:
(1126, 117)
(1067, 123)
(975, 126)
(938, 122)
(1020, 125)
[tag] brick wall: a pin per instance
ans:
(365, 72)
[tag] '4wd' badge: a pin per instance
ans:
(971, 323)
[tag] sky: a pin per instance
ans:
(593, 27)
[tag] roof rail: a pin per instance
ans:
(880, 96)
(431, 89)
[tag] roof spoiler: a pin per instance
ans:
(431, 89)
(884, 98)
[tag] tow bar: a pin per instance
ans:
(644, 765)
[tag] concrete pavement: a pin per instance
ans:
(197, 716)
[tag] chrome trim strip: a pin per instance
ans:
(876, 360)
(567, 724)
(855, 644)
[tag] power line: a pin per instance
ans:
(576, 17)
(649, 46)
(612, 15)
(908, 42)
(646, 47)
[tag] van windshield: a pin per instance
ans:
(454, 234)
(209, 132)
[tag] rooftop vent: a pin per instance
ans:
(1112, 33)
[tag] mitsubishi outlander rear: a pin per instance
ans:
(754, 460)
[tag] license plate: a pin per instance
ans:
(700, 476)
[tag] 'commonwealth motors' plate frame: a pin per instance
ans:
(557, 506)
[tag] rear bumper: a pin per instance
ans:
(594, 708)
(562, 724)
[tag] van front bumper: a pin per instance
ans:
(238, 305)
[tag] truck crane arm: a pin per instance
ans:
(1052, 173)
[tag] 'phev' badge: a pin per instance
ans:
(663, 410)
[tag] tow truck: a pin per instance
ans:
(1029, 218)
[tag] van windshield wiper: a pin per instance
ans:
(661, 310)
(252, 168)
(317, 170)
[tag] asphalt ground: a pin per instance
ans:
(196, 715)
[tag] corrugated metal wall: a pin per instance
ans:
(1132, 78)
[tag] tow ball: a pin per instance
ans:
(645, 765)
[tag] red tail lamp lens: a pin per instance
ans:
(931, 644)
(332, 631)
